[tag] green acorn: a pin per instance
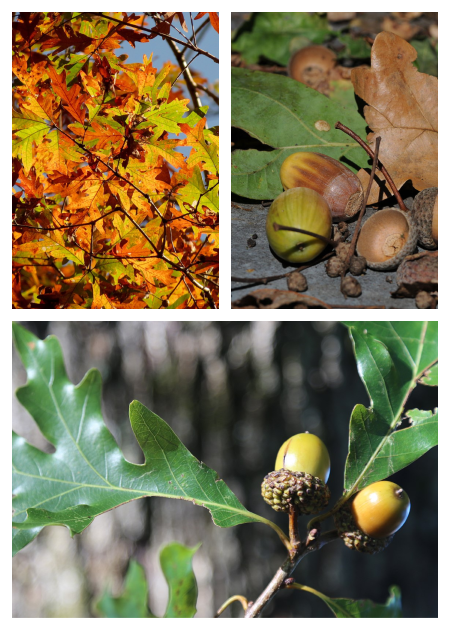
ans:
(302, 469)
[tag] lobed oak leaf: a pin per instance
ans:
(401, 109)
(205, 153)
(72, 100)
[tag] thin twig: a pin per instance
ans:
(352, 247)
(383, 169)
(285, 571)
(155, 32)
(267, 279)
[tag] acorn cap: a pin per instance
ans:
(386, 238)
(425, 212)
(355, 538)
(283, 488)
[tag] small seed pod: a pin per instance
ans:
(337, 184)
(386, 238)
(298, 208)
(342, 250)
(334, 267)
(296, 281)
(358, 265)
(351, 287)
(425, 212)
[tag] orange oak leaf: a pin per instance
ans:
(72, 100)
(214, 19)
(401, 109)
(108, 212)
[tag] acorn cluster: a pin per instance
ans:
(366, 522)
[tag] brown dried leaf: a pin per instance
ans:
(276, 298)
(402, 109)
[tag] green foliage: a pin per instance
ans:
(176, 564)
(357, 609)
(427, 57)
(270, 35)
(133, 602)
(392, 357)
(282, 113)
(87, 474)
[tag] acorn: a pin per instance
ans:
(337, 184)
(425, 213)
(298, 208)
(312, 66)
(386, 238)
(368, 522)
(302, 470)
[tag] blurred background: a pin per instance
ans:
(233, 392)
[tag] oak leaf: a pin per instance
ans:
(402, 109)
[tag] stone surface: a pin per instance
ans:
(259, 261)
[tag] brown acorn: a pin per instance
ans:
(337, 184)
(312, 66)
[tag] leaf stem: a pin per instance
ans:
(235, 598)
(383, 169)
(288, 228)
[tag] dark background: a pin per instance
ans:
(233, 392)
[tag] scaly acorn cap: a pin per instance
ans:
(355, 538)
(283, 488)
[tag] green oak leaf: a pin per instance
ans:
(274, 36)
(430, 377)
(375, 455)
(176, 564)
(349, 608)
(87, 474)
(392, 357)
(282, 113)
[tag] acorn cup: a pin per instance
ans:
(386, 238)
(425, 213)
(302, 470)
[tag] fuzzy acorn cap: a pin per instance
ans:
(283, 488)
(425, 211)
(355, 538)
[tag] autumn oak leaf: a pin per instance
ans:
(401, 109)
(72, 100)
